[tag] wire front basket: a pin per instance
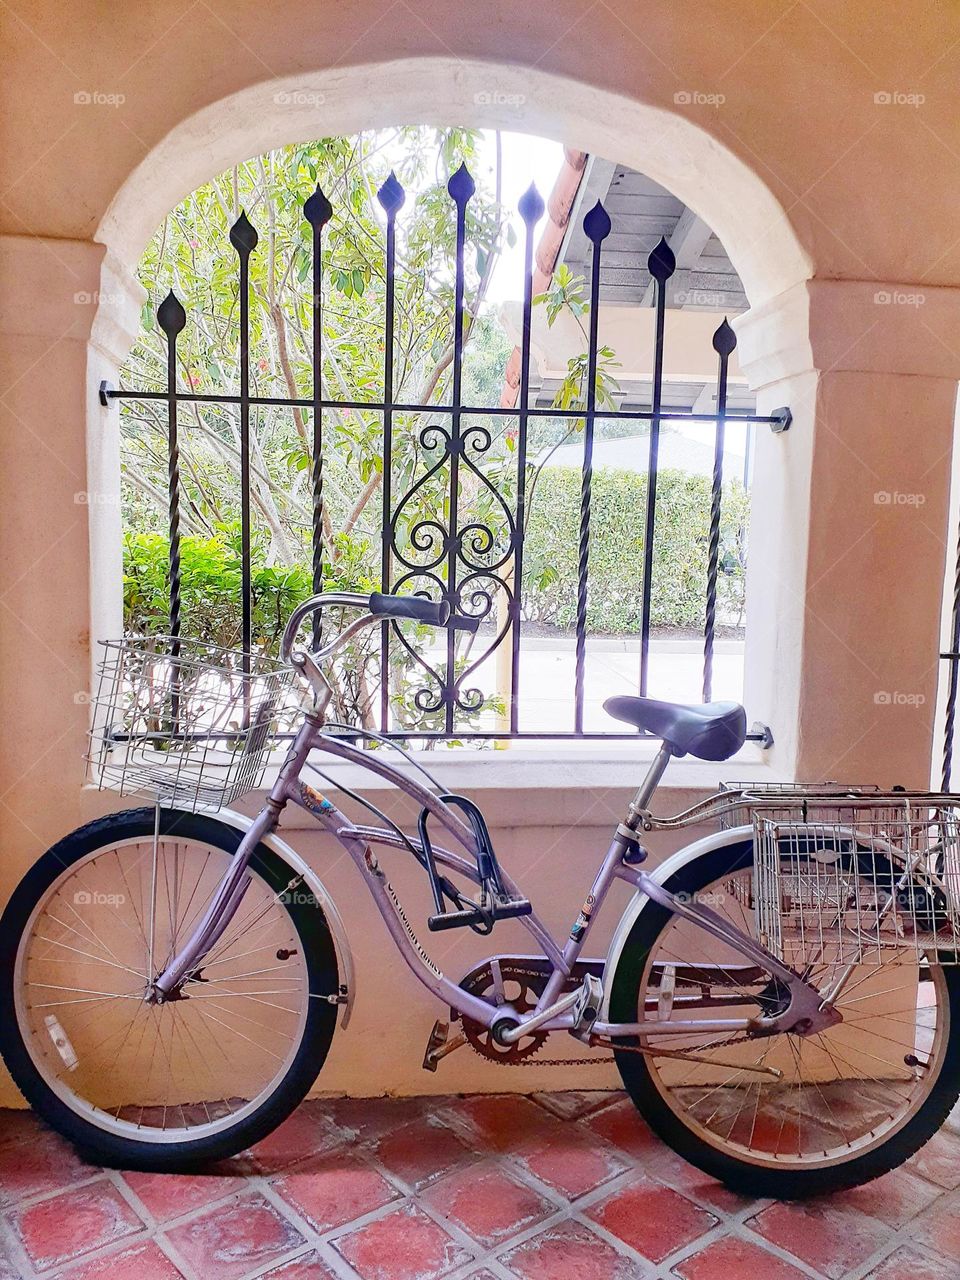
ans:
(868, 879)
(188, 722)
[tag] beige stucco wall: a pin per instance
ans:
(762, 117)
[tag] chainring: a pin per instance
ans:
(522, 988)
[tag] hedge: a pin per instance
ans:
(618, 513)
(211, 565)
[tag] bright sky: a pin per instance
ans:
(525, 159)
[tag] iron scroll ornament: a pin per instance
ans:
(481, 548)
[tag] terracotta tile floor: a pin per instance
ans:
(508, 1187)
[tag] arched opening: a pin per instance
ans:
(712, 190)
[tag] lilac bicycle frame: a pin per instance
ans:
(806, 1012)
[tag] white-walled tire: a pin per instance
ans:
(832, 1133)
(196, 1079)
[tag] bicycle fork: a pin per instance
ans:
(229, 893)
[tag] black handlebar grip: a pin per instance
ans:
(432, 613)
(461, 622)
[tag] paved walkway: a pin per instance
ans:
(612, 666)
(544, 1188)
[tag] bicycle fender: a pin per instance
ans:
(297, 864)
(661, 874)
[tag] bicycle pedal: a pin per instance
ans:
(438, 1038)
(587, 1008)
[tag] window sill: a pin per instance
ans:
(536, 786)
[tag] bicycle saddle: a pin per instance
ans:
(713, 731)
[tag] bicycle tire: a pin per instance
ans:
(319, 952)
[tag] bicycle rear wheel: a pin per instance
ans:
(201, 1076)
(784, 1115)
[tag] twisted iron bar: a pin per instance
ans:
(724, 341)
(317, 211)
(172, 318)
(597, 226)
(951, 709)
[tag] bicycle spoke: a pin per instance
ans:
(814, 1111)
(184, 1065)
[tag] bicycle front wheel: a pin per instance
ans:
(203, 1075)
(783, 1115)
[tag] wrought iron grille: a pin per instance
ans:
(476, 565)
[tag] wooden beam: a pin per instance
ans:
(594, 186)
(687, 241)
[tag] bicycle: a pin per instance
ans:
(171, 976)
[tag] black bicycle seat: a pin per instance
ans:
(711, 731)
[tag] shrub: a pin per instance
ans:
(615, 565)
(210, 593)
(210, 580)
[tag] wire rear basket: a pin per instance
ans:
(865, 879)
(188, 722)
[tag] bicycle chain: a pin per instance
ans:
(534, 1060)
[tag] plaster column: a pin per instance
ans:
(850, 525)
(65, 319)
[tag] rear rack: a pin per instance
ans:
(851, 875)
(735, 803)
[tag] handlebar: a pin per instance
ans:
(378, 605)
(433, 614)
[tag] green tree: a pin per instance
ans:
(192, 255)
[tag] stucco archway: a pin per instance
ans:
(680, 155)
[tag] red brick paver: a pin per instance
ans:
(143, 1262)
(731, 1258)
(67, 1226)
(309, 1266)
(571, 1250)
(832, 1241)
(487, 1204)
(171, 1195)
(912, 1264)
(232, 1239)
(651, 1218)
(476, 1188)
(422, 1151)
(405, 1245)
(36, 1162)
(330, 1192)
